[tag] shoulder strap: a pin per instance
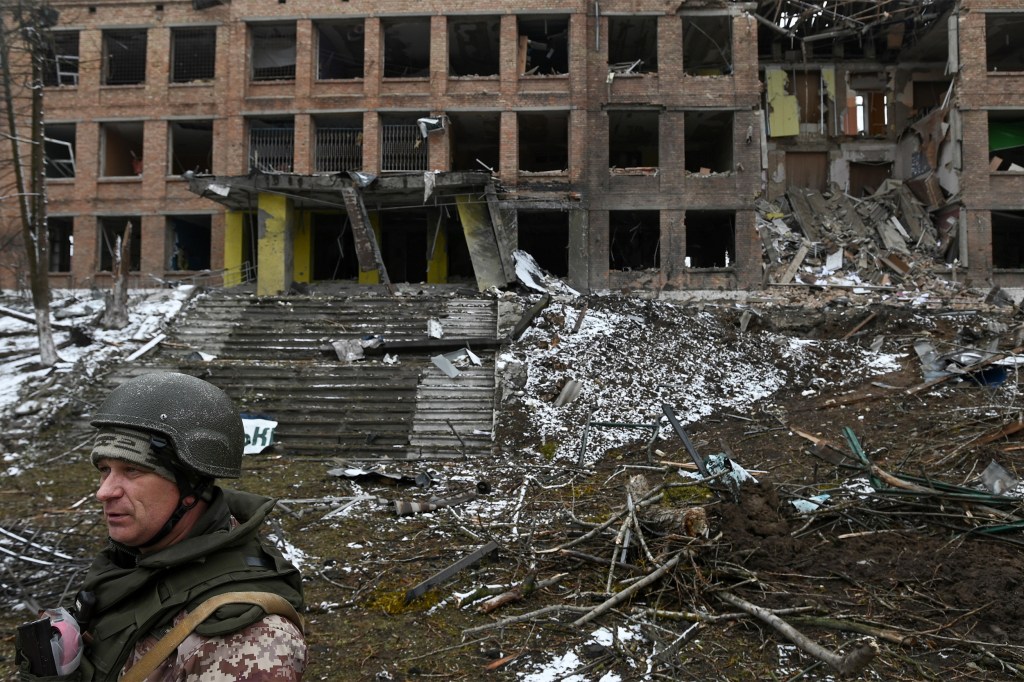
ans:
(268, 601)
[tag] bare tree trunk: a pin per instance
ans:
(115, 316)
(28, 22)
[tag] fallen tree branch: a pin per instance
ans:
(520, 591)
(524, 617)
(632, 589)
(846, 664)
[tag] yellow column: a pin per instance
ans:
(276, 228)
(234, 241)
(303, 268)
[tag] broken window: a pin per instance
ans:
(868, 92)
(707, 45)
(333, 246)
(60, 65)
(1006, 141)
(928, 95)
(124, 56)
(543, 45)
(340, 49)
(121, 149)
(1004, 50)
(406, 47)
(473, 46)
(865, 178)
(634, 240)
(710, 239)
(1008, 239)
(475, 140)
(708, 141)
(338, 143)
(633, 44)
(193, 53)
(59, 149)
(273, 52)
(633, 139)
(545, 236)
(543, 141)
(191, 147)
(271, 144)
(187, 242)
(112, 229)
(62, 242)
(403, 146)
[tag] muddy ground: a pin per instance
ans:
(908, 569)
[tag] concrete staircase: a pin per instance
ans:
(269, 356)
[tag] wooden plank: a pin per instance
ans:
(798, 259)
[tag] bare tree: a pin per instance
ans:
(24, 25)
(115, 315)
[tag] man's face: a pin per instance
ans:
(136, 501)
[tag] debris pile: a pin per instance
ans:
(886, 245)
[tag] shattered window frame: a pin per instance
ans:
(189, 146)
(633, 43)
(124, 56)
(272, 51)
(474, 42)
(60, 64)
(1004, 54)
(405, 47)
(59, 139)
(341, 49)
(708, 245)
(121, 148)
(699, 38)
(634, 240)
(543, 46)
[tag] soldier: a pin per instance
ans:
(176, 541)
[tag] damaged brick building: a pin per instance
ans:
(622, 144)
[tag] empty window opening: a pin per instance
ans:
(633, 139)
(402, 144)
(633, 44)
(193, 54)
(865, 178)
(929, 95)
(62, 242)
(340, 49)
(59, 150)
(187, 242)
(250, 247)
(191, 146)
(707, 45)
(271, 144)
(710, 239)
(1006, 141)
(338, 143)
(634, 240)
(60, 66)
(124, 56)
(121, 149)
(1008, 239)
(460, 264)
(112, 232)
(473, 46)
(543, 141)
(273, 52)
(872, 113)
(475, 139)
(406, 47)
(543, 45)
(708, 141)
(545, 236)
(1004, 50)
(334, 251)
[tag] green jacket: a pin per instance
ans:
(138, 595)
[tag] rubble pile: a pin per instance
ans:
(885, 246)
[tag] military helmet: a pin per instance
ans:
(199, 419)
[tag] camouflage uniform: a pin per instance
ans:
(269, 650)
